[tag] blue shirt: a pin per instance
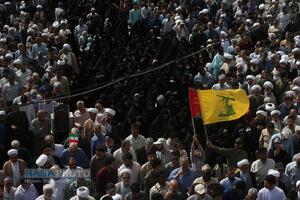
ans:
(134, 16)
(227, 184)
(81, 158)
(100, 139)
(186, 180)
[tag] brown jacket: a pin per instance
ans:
(8, 169)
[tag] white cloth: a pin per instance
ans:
(16, 173)
(135, 170)
(275, 194)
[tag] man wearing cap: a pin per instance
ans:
(14, 167)
(200, 193)
(255, 99)
(82, 193)
(275, 115)
(89, 124)
(270, 190)
(245, 174)
(233, 155)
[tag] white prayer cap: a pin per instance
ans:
(12, 152)
(15, 143)
(55, 24)
(294, 50)
(125, 171)
(261, 6)
(256, 24)
(224, 33)
(274, 172)
(274, 112)
(64, 21)
(200, 189)
(270, 107)
(228, 56)
(298, 183)
(261, 112)
(208, 65)
(67, 46)
(160, 97)
(269, 16)
(61, 62)
(223, 15)
(256, 87)
(296, 89)
(93, 110)
(249, 21)
(251, 77)
(254, 61)
(2, 112)
(4, 40)
(17, 62)
(160, 141)
(82, 192)
(179, 8)
(41, 161)
(39, 6)
(290, 93)
(298, 62)
(204, 11)
(268, 84)
(283, 61)
(8, 56)
(7, 3)
(110, 111)
(243, 162)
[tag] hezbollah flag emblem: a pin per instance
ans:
(222, 105)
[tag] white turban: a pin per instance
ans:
(274, 172)
(256, 87)
(124, 171)
(82, 192)
(93, 110)
(269, 84)
(12, 152)
(110, 111)
(270, 107)
(251, 77)
(41, 161)
(274, 112)
(243, 162)
(261, 112)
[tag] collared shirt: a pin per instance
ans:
(135, 169)
(137, 143)
(29, 194)
(261, 169)
(184, 180)
(275, 194)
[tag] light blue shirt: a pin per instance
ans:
(134, 16)
(185, 180)
(227, 184)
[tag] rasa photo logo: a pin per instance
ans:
(55, 174)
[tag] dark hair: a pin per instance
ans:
(46, 146)
(175, 153)
(240, 186)
(151, 152)
(135, 187)
(109, 160)
(262, 150)
(101, 148)
(110, 186)
(155, 162)
(127, 156)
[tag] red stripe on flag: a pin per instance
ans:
(194, 102)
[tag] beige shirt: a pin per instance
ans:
(261, 169)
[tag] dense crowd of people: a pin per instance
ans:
(135, 138)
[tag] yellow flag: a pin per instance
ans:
(222, 105)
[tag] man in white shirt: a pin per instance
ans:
(23, 73)
(26, 190)
(271, 191)
(133, 166)
(261, 166)
(137, 141)
(11, 89)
